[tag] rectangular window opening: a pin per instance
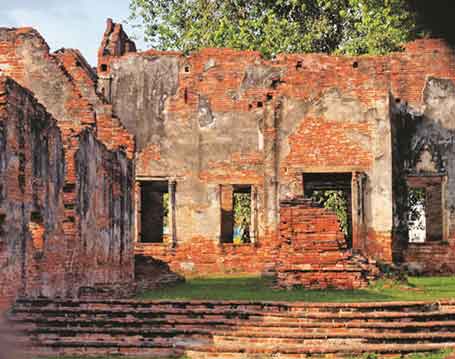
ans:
(236, 213)
(154, 211)
(425, 209)
(417, 228)
(332, 191)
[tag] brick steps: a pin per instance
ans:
(163, 349)
(88, 352)
(313, 333)
(324, 328)
(327, 348)
(220, 304)
(262, 329)
(340, 350)
(204, 329)
(288, 318)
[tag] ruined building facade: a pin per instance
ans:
(149, 154)
(220, 121)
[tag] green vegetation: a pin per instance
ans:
(242, 217)
(440, 354)
(257, 288)
(272, 27)
(336, 201)
(437, 355)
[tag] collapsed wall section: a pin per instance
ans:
(32, 168)
(313, 251)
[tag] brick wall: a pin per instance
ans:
(224, 117)
(221, 117)
(218, 118)
(422, 81)
(95, 214)
(32, 257)
(313, 252)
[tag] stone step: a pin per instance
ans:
(103, 342)
(254, 330)
(327, 340)
(55, 351)
(129, 341)
(122, 334)
(282, 350)
(236, 305)
(236, 347)
(220, 315)
(440, 336)
(32, 322)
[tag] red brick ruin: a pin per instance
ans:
(148, 154)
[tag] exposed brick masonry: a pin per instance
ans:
(84, 235)
(221, 117)
(313, 251)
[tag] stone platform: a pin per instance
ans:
(230, 329)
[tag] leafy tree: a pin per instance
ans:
(242, 216)
(337, 202)
(276, 26)
(416, 204)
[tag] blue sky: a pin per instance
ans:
(67, 23)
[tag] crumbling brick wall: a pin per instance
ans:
(423, 123)
(219, 118)
(313, 251)
(104, 208)
(32, 254)
(224, 117)
(97, 154)
(40, 253)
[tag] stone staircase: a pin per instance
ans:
(230, 329)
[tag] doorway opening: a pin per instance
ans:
(236, 214)
(154, 216)
(332, 191)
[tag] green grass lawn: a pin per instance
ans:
(257, 288)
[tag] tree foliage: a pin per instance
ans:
(276, 26)
(416, 209)
(337, 202)
(242, 217)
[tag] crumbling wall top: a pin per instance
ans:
(115, 42)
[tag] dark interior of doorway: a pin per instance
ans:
(154, 211)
